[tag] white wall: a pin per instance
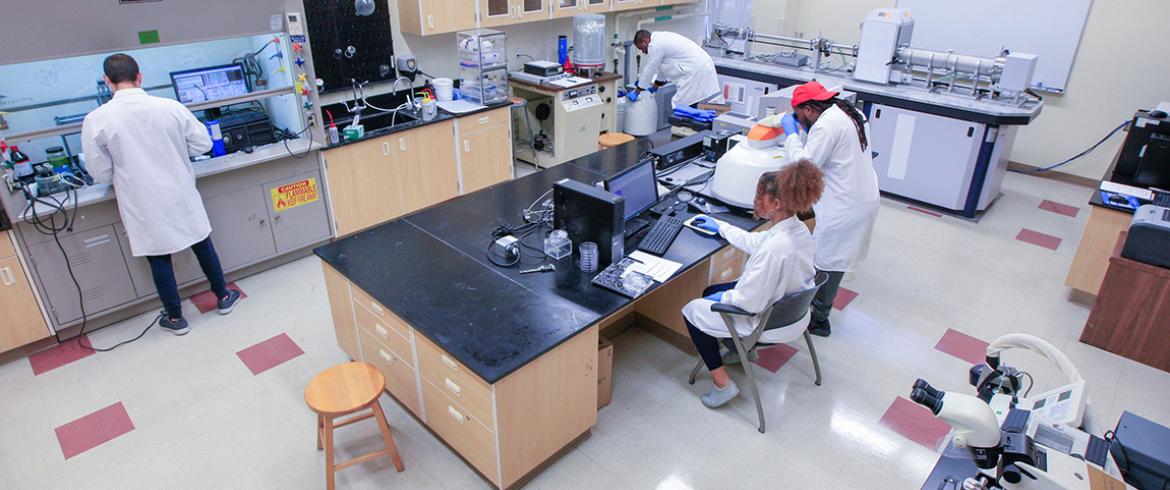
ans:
(1120, 67)
(436, 53)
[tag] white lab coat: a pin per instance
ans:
(142, 145)
(676, 58)
(848, 207)
(780, 263)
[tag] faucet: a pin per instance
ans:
(409, 95)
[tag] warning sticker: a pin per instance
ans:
(295, 194)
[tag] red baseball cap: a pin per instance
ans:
(811, 91)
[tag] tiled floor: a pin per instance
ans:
(188, 412)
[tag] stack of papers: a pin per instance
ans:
(656, 267)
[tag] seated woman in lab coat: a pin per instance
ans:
(780, 262)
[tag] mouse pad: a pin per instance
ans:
(690, 223)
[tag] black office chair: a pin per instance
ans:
(783, 313)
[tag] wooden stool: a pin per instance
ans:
(610, 140)
(340, 391)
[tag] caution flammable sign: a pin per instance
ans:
(295, 194)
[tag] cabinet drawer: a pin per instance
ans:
(483, 120)
(470, 438)
(378, 329)
(379, 311)
(398, 370)
(455, 381)
(726, 257)
(6, 248)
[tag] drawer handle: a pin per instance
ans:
(484, 120)
(389, 358)
(453, 387)
(725, 274)
(466, 146)
(450, 363)
(727, 254)
(402, 144)
(377, 309)
(6, 273)
(383, 332)
(431, 21)
(459, 417)
(96, 241)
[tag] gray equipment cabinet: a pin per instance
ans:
(97, 262)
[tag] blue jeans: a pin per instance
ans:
(164, 276)
(707, 345)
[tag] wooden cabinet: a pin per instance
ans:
(678, 2)
(496, 13)
(567, 8)
(340, 306)
(363, 185)
(397, 368)
(427, 170)
(425, 17)
(619, 5)
(1088, 267)
(485, 150)
(597, 6)
(21, 322)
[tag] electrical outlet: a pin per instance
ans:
(311, 119)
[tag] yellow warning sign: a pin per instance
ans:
(295, 194)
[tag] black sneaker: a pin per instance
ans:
(177, 326)
(227, 304)
(820, 329)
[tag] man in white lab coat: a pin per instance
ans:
(142, 145)
(676, 58)
(837, 142)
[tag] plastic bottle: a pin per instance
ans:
(20, 162)
(4, 161)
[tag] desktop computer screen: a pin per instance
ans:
(210, 83)
(638, 186)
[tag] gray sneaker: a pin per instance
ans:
(227, 304)
(717, 398)
(177, 326)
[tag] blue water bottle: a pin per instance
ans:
(217, 149)
(562, 49)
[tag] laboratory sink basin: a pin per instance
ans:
(378, 121)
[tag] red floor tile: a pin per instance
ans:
(844, 297)
(270, 353)
(59, 355)
(915, 422)
(1039, 239)
(93, 430)
(206, 300)
(925, 211)
(1058, 208)
(773, 358)
(963, 346)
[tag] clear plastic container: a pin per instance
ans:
(557, 245)
(588, 257)
(589, 40)
(483, 65)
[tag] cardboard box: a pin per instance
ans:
(718, 108)
(604, 372)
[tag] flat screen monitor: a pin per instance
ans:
(209, 84)
(638, 186)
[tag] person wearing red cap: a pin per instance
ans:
(837, 141)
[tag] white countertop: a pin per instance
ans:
(958, 101)
(96, 193)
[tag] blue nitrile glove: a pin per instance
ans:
(716, 297)
(706, 224)
(632, 95)
(790, 124)
(653, 88)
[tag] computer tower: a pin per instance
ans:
(1145, 154)
(590, 214)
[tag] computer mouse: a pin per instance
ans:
(1158, 114)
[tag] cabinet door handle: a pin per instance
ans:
(453, 387)
(459, 417)
(386, 148)
(431, 21)
(389, 358)
(402, 144)
(450, 363)
(6, 274)
(484, 120)
(263, 221)
(466, 146)
(382, 331)
(725, 274)
(97, 241)
(377, 309)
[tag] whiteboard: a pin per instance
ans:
(1050, 29)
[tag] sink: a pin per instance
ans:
(378, 121)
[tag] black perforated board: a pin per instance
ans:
(333, 27)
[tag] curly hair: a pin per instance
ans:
(798, 186)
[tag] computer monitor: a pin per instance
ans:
(638, 186)
(209, 83)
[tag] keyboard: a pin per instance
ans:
(661, 235)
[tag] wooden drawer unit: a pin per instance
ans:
(470, 438)
(389, 319)
(727, 265)
(455, 381)
(6, 248)
(377, 328)
(398, 370)
(484, 120)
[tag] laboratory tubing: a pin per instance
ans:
(557, 245)
(588, 257)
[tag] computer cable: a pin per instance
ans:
(308, 149)
(1078, 155)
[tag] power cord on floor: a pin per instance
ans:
(47, 225)
(1078, 155)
